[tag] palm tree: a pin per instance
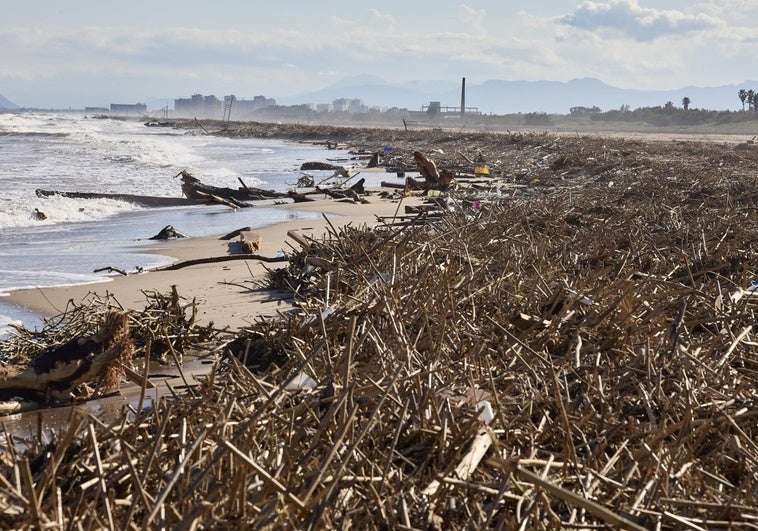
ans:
(742, 95)
(751, 99)
(686, 103)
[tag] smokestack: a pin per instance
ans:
(463, 97)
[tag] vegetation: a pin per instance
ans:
(537, 118)
(750, 97)
(670, 115)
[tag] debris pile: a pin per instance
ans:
(575, 359)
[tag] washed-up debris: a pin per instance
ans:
(87, 350)
(169, 233)
(580, 357)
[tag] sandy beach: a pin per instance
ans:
(222, 290)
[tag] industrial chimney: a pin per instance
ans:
(463, 97)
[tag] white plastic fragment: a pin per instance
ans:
(301, 381)
(486, 413)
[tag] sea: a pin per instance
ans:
(80, 153)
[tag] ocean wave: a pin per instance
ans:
(41, 134)
(22, 211)
(13, 280)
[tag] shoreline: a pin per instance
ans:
(508, 154)
(218, 288)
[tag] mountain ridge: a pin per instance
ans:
(520, 96)
(5, 103)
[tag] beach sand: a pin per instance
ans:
(222, 290)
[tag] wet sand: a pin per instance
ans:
(222, 290)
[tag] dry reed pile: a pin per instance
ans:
(580, 359)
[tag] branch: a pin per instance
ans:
(216, 259)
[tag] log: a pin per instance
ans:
(143, 200)
(230, 202)
(297, 197)
(193, 188)
(306, 166)
(234, 233)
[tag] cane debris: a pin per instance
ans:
(570, 343)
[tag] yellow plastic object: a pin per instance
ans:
(481, 170)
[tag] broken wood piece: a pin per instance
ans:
(234, 233)
(231, 203)
(467, 465)
(524, 321)
(251, 241)
(297, 197)
(317, 261)
(426, 168)
(305, 244)
(110, 269)
(137, 378)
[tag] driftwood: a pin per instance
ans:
(110, 269)
(433, 178)
(218, 259)
(234, 233)
(298, 197)
(427, 168)
(193, 188)
(229, 202)
(351, 193)
(56, 371)
(168, 233)
(310, 166)
(143, 200)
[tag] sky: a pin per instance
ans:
(77, 53)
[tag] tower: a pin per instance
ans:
(463, 97)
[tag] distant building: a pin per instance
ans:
(349, 105)
(244, 108)
(128, 108)
(199, 105)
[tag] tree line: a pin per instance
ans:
(750, 97)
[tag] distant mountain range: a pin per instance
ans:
(6, 103)
(501, 97)
(505, 97)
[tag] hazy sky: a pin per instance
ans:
(61, 53)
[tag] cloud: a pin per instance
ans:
(386, 21)
(473, 18)
(628, 19)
